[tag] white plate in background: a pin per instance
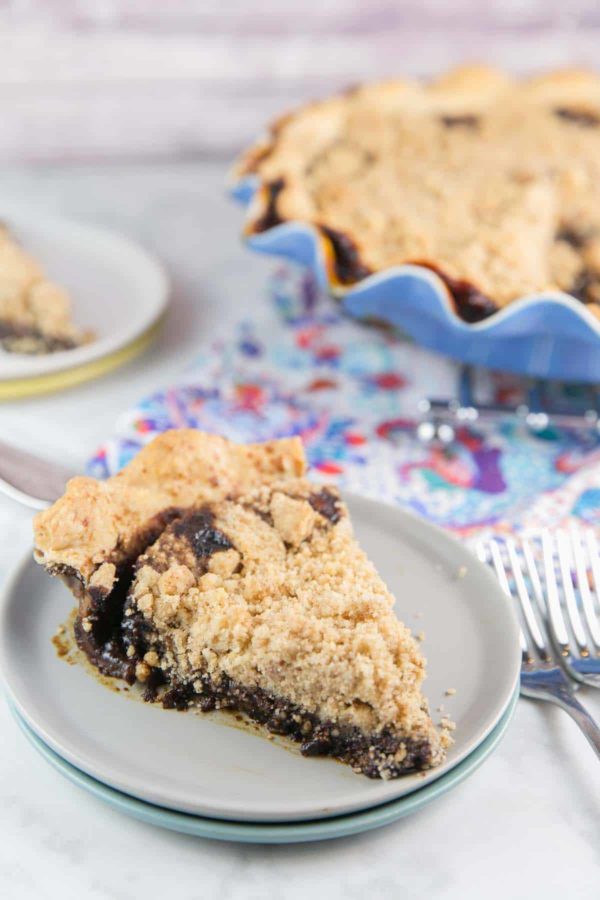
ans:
(118, 290)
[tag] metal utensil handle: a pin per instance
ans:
(30, 480)
(580, 715)
(563, 697)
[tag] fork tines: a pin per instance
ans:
(556, 578)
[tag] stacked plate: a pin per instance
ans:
(208, 776)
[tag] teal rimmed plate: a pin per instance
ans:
(280, 832)
(195, 764)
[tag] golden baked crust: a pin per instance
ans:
(35, 313)
(494, 184)
(97, 525)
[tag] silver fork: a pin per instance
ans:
(542, 677)
(571, 565)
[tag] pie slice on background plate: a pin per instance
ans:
(35, 313)
(217, 575)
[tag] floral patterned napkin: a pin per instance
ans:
(351, 392)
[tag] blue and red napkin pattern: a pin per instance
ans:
(351, 392)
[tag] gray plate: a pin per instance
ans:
(194, 764)
(282, 832)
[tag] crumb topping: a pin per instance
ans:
(294, 606)
(106, 522)
(474, 175)
(293, 518)
(35, 313)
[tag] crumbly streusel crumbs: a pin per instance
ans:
(303, 613)
(101, 523)
(142, 671)
(445, 740)
(35, 314)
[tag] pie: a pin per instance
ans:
(218, 576)
(493, 184)
(35, 313)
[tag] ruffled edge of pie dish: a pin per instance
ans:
(549, 334)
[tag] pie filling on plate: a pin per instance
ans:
(492, 184)
(35, 314)
(218, 576)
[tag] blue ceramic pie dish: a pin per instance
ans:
(547, 335)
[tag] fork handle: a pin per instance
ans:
(33, 481)
(567, 701)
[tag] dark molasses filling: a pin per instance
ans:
(581, 287)
(586, 286)
(200, 533)
(102, 636)
(326, 504)
(270, 217)
(347, 264)
(470, 304)
(10, 333)
(98, 626)
(317, 738)
(464, 121)
(103, 643)
(571, 236)
(581, 117)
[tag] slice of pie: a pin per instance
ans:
(219, 577)
(35, 314)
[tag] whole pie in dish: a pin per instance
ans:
(494, 184)
(217, 575)
(35, 314)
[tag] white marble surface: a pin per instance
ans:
(525, 825)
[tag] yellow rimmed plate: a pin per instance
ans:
(17, 388)
(119, 292)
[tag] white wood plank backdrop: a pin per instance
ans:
(151, 79)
